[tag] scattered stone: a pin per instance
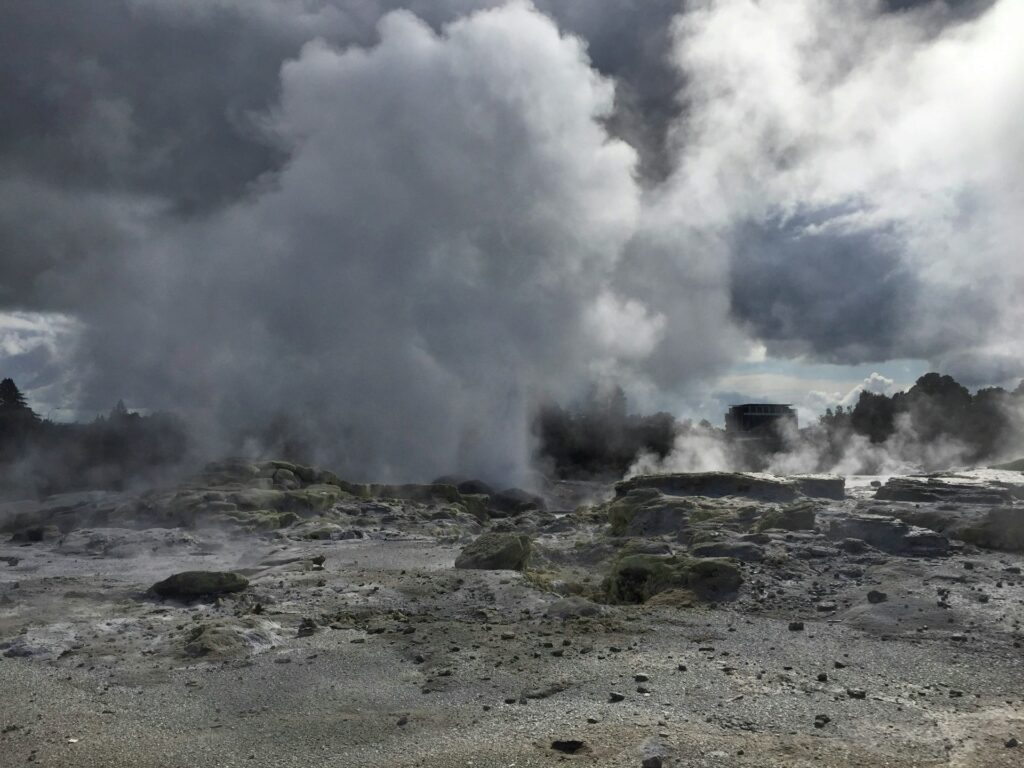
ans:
(796, 626)
(654, 761)
(856, 693)
(614, 697)
(875, 597)
(820, 721)
(1011, 743)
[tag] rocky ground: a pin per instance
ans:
(687, 620)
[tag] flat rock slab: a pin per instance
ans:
(714, 484)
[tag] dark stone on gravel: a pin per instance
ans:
(874, 596)
(820, 721)
(192, 584)
(569, 746)
(652, 762)
(614, 697)
(796, 626)
(856, 693)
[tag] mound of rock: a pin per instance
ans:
(796, 517)
(890, 535)
(496, 552)
(637, 578)
(189, 585)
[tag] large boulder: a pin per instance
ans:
(496, 551)
(714, 484)
(636, 578)
(189, 585)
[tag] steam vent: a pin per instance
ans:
(758, 418)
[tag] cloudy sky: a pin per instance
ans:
(402, 223)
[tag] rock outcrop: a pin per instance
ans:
(637, 578)
(889, 535)
(496, 551)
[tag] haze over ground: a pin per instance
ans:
(400, 225)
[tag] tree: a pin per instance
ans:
(11, 398)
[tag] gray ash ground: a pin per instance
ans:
(358, 643)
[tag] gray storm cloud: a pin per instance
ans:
(399, 224)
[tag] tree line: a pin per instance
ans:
(987, 424)
(39, 457)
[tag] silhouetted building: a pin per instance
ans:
(756, 419)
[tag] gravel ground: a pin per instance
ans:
(409, 662)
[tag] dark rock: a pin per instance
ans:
(820, 721)
(856, 693)
(654, 761)
(614, 697)
(796, 626)
(496, 551)
(874, 596)
(36, 534)
(192, 584)
(569, 746)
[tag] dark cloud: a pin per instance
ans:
(844, 298)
